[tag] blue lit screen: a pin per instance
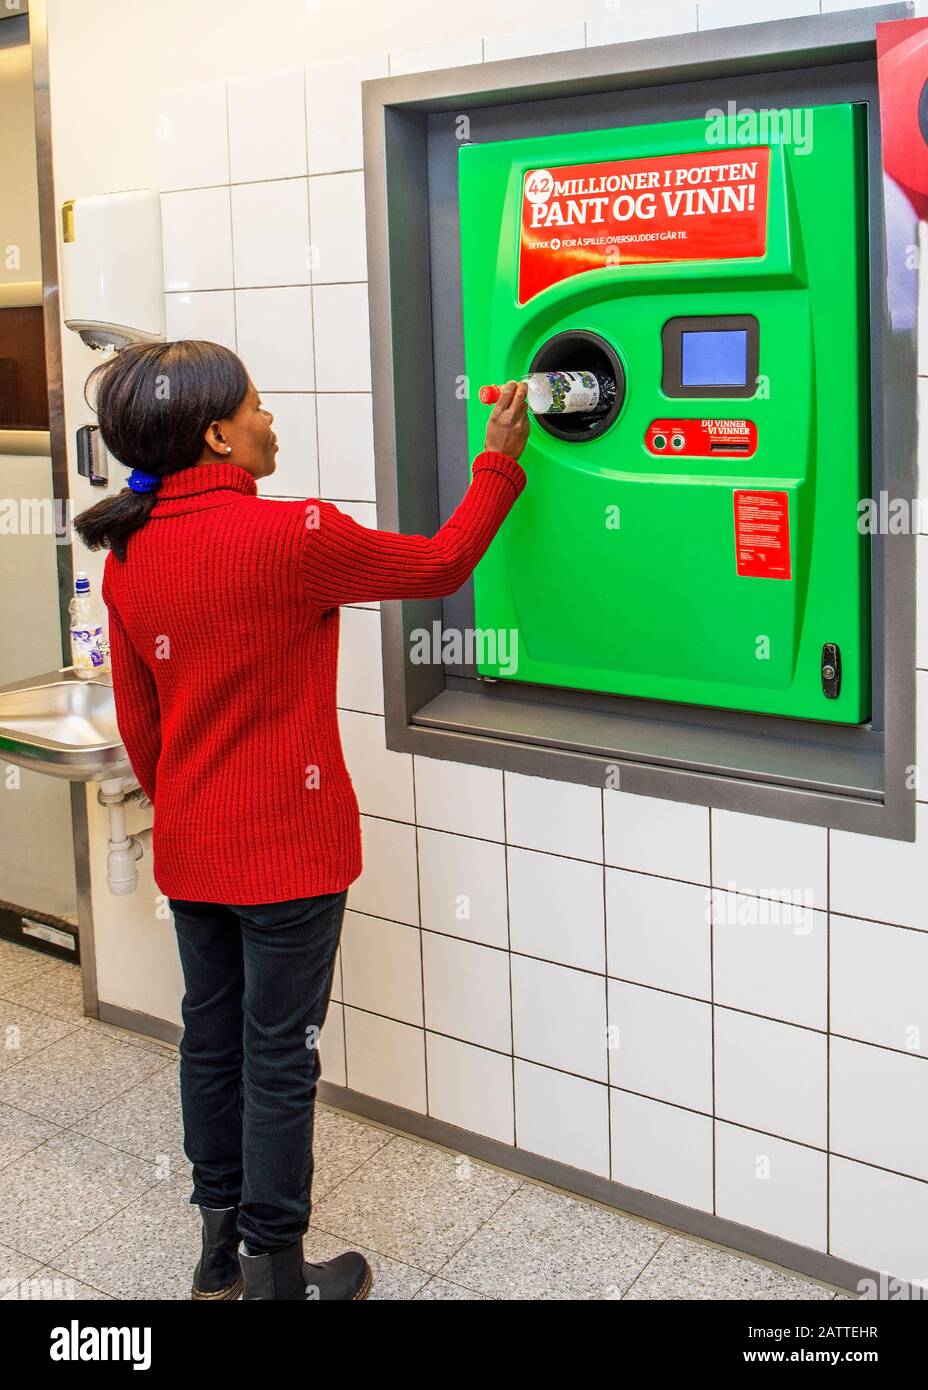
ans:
(715, 358)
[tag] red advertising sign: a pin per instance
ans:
(902, 68)
(762, 535)
(678, 207)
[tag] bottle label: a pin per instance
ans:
(572, 391)
(87, 648)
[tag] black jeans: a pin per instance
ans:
(258, 981)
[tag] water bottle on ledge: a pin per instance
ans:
(563, 393)
(89, 649)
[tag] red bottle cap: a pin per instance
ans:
(489, 395)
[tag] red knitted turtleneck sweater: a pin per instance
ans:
(224, 625)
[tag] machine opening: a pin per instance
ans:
(577, 350)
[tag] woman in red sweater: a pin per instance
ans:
(223, 618)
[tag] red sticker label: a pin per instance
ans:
(702, 438)
(762, 535)
(681, 207)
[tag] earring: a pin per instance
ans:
(228, 448)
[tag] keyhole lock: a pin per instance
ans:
(831, 670)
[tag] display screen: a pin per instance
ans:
(714, 358)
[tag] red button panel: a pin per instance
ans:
(702, 438)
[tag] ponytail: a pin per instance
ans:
(109, 524)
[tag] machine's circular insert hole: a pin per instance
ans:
(577, 351)
(678, 441)
(660, 441)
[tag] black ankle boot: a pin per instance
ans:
(218, 1275)
(285, 1275)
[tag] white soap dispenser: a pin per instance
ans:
(112, 281)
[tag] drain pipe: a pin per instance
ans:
(125, 850)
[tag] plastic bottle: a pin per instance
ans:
(89, 651)
(562, 393)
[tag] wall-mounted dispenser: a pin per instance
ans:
(111, 268)
(92, 458)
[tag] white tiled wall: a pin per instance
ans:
(462, 887)
(661, 1045)
(771, 1076)
(774, 1185)
(270, 233)
(556, 908)
(775, 964)
(648, 1139)
(726, 1011)
(563, 1117)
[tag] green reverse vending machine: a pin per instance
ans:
(699, 541)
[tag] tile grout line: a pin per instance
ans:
(388, 1140)
(828, 1042)
(45, 1264)
(473, 1235)
(607, 991)
(616, 979)
(312, 279)
(252, 183)
(150, 1044)
(670, 1104)
(70, 1034)
(138, 1197)
(231, 290)
(653, 1256)
(426, 1146)
(71, 1131)
(118, 1210)
(71, 1127)
(420, 942)
(509, 952)
(394, 1259)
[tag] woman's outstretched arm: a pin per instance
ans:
(344, 562)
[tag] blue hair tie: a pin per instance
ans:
(143, 482)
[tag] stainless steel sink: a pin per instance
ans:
(62, 726)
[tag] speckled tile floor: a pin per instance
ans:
(94, 1188)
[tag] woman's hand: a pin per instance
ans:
(507, 427)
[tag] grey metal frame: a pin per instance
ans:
(48, 231)
(835, 776)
